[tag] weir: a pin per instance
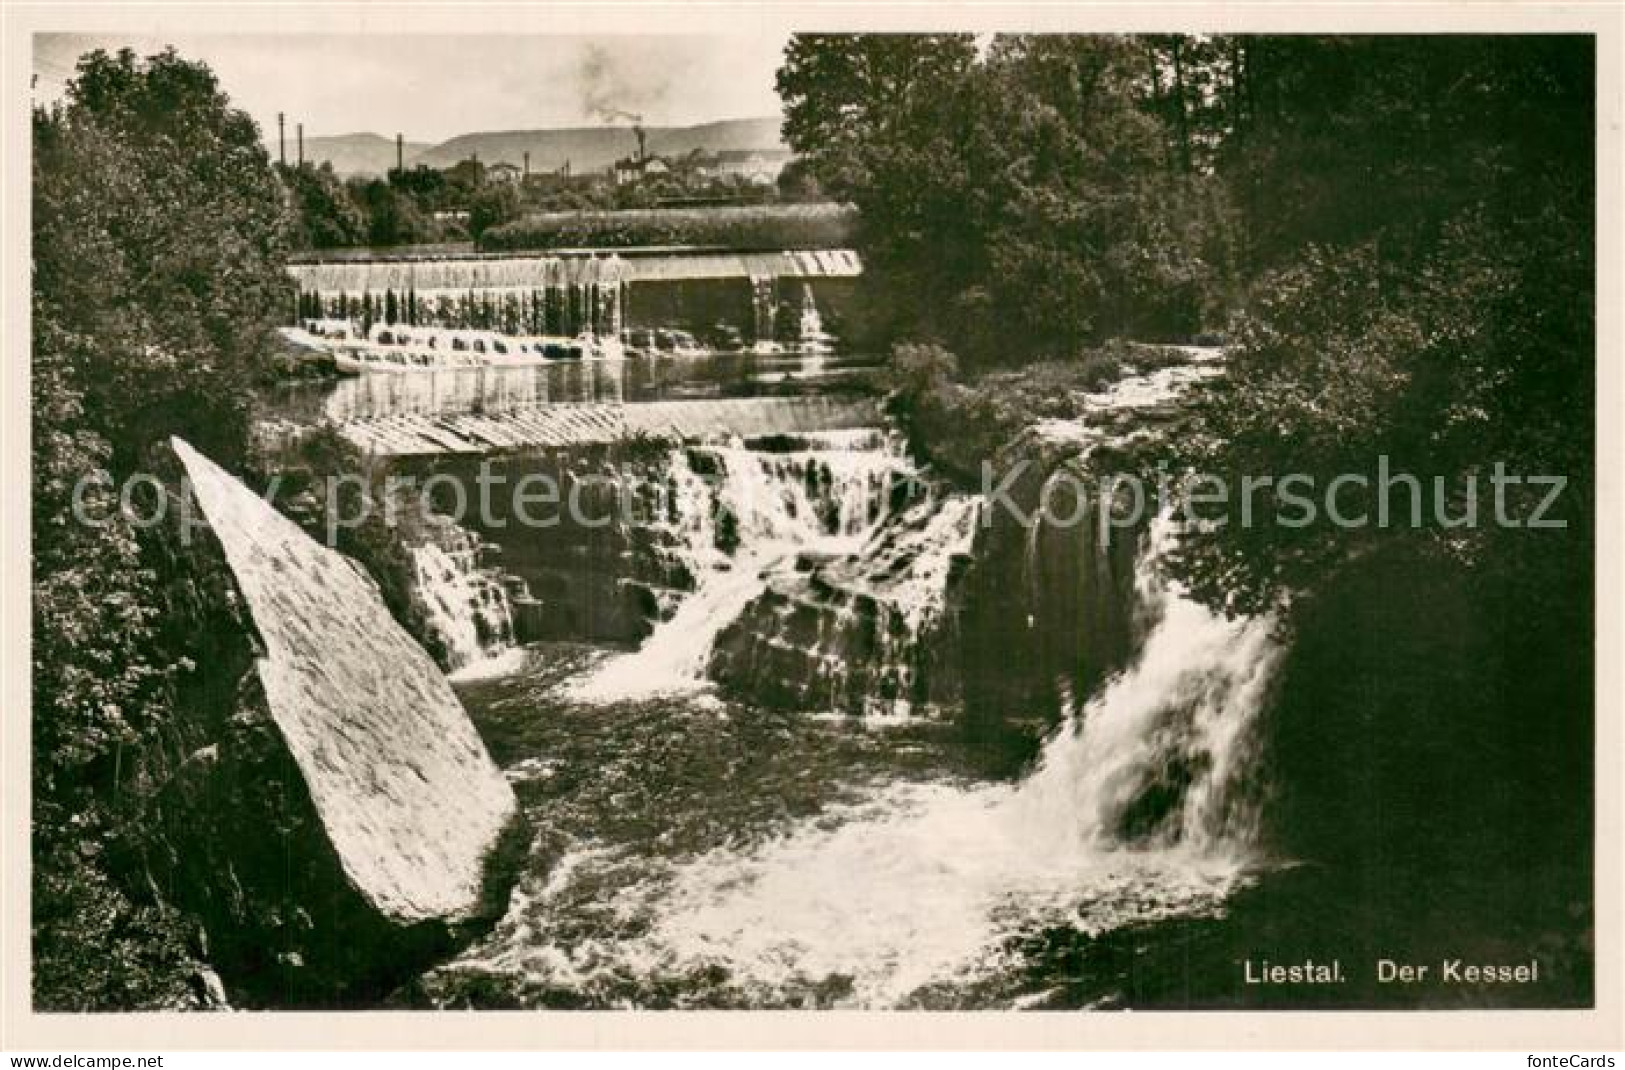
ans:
(569, 293)
(564, 425)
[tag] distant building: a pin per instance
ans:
(504, 172)
(698, 164)
(632, 170)
(758, 166)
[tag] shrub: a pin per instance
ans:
(799, 226)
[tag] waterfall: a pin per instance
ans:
(1140, 808)
(749, 514)
(467, 606)
(1163, 755)
(538, 295)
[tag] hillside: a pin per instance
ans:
(355, 154)
(587, 148)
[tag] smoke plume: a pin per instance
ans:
(616, 90)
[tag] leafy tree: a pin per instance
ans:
(1419, 216)
(325, 213)
(424, 184)
(1019, 206)
(797, 183)
(159, 237)
(493, 205)
(1441, 316)
(393, 217)
(847, 94)
(159, 241)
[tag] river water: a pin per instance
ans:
(694, 847)
(702, 852)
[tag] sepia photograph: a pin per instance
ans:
(780, 518)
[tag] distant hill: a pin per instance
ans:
(760, 133)
(355, 154)
(591, 148)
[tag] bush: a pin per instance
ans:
(159, 270)
(958, 425)
(801, 226)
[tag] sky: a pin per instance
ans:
(432, 87)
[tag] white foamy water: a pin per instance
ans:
(926, 884)
(777, 505)
(466, 606)
(504, 662)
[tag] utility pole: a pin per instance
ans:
(300, 129)
(281, 141)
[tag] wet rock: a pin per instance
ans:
(327, 810)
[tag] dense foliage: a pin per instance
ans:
(1421, 225)
(1423, 229)
(764, 227)
(1024, 204)
(159, 240)
(424, 205)
(1396, 234)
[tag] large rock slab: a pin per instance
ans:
(334, 825)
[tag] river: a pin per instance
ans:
(764, 796)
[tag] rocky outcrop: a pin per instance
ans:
(1048, 610)
(328, 812)
(1039, 606)
(603, 560)
(866, 633)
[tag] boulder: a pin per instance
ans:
(329, 811)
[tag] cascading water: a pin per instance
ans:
(1140, 809)
(466, 605)
(754, 514)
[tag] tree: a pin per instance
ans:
(326, 216)
(1019, 206)
(147, 175)
(845, 94)
(493, 205)
(393, 217)
(1419, 221)
(424, 184)
(159, 247)
(1436, 314)
(796, 183)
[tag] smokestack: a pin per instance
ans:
(527, 164)
(300, 130)
(400, 154)
(638, 130)
(281, 141)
